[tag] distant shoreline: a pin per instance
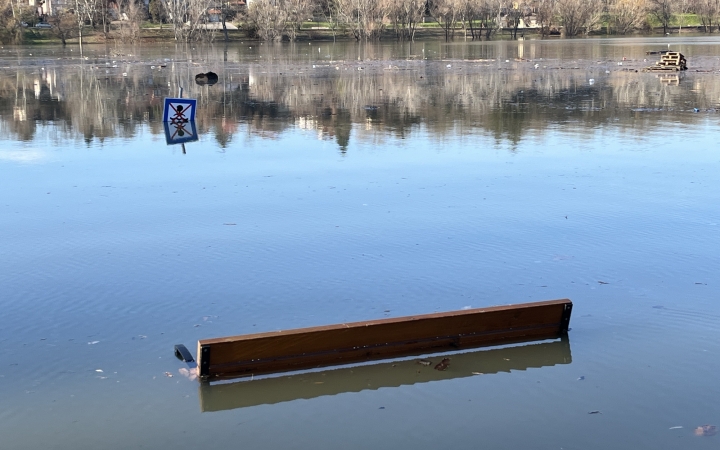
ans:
(165, 34)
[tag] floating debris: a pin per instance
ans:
(603, 282)
(93, 342)
(168, 374)
(675, 428)
(191, 374)
(669, 62)
(424, 362)
(581, 378)
(706, 430)
(594, 412)
(442, 365)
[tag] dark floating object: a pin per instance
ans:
(442, 365)
(209, 78)
(183, 354)
(656, 52)
(307, 348)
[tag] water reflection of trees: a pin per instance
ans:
(345, 100)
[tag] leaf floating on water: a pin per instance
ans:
(442, 365)
(594, 412)
(706, 430)
(424, 362)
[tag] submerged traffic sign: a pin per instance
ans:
(179, 110)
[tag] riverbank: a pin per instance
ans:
(311, 31)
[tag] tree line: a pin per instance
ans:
(276, 20)
(371, 19)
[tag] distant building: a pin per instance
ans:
(47, 8)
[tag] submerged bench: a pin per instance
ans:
(382, 374)
(306, 348)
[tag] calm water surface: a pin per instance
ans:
(338, 183)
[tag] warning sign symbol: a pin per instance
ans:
(179, 110)
(180, 132)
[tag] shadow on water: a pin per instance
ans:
(307, 385)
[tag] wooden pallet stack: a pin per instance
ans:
(669, 62)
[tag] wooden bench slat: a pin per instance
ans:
(358, 341)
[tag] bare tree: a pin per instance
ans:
(447, 13)
(131, 17)
(662, 10)
(518, 13)
(64, 26)
(363, 18)
(544, 14)
(298, 11)
(11, 29)
(577, 16)
(269, 19)
(405, 16)
(189, 19)
(473, 15)
(708, 11)
(628, 15)
(489, 13)
(156, 8)
(331, 12)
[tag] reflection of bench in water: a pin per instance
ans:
(307, 385)
(308, 348)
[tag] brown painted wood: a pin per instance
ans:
(305, 348)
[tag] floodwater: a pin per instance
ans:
(344, 182)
